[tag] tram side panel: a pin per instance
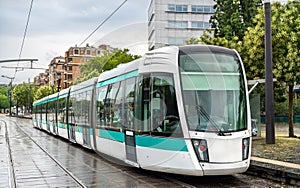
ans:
(80, 117)
(44, 116)
(108, 131)
(62, 106)
(34, 115)
(52, 108)
(160, 144)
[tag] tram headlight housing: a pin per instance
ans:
(245, 148)
(200, 147)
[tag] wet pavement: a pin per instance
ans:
(30, 157)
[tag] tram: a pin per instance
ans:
(182, 110)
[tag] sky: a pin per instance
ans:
(57, 25)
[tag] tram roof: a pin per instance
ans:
(63, 93)
(119, 70)
(86, 84)
(206, 48)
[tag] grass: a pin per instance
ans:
(285, 149)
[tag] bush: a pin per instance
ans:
(282, 108)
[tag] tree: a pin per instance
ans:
(4, 90)
(20, 94)
(286, 47)
(4, 101)
(233, 17)
(193, 40)
(99, 64)
(42, 92)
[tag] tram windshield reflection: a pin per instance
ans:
(213, 92)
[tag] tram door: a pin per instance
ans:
(86, 136)
(129, 104)
(130, 146)
(72, 123)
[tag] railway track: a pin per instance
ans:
(60, 164)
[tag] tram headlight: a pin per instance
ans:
(245, 147)
(200, 147)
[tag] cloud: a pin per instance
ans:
(57, 25)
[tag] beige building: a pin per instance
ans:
(63, 71)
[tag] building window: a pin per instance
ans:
(70, 59)
(88, 52)
(176, 41)
(69, 68)
(203, 9)
(69, 76)
(178, 8)
(177, 24)
(76, 52)
(82, 51)
(200, 25)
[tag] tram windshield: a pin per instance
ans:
(213, 92)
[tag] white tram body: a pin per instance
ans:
(182, 110)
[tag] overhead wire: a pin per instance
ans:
(24, 36)
(103, 22)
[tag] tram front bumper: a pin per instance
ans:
(211, 169)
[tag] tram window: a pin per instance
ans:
(70, 111)
(76, 109)
(118, 111)
(129, 103)
(62, 116)
(101, 118)
(109, 104)
(88, 107)
(163, 106)
(142, 111)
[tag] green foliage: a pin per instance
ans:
(4, 101)
(193, 41)
(20, 93)
(285, 41)
(42, 92)
(233, 17)
(99, 64)
(4, 90)
(282, 108)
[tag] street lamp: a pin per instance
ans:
(9, 91)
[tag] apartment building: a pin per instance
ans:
(64, 70)
(56, 72)
(76, 56)
(172, 22)
(42, 79)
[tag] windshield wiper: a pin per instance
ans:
(206, 116)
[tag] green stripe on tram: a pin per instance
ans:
(111, 135)
(118, 78)
(171, 144)
(82, 90)
(63, 96)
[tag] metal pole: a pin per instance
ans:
(269, 108)
(9, 92)
(28, 96)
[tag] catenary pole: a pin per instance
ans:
(269, 107)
